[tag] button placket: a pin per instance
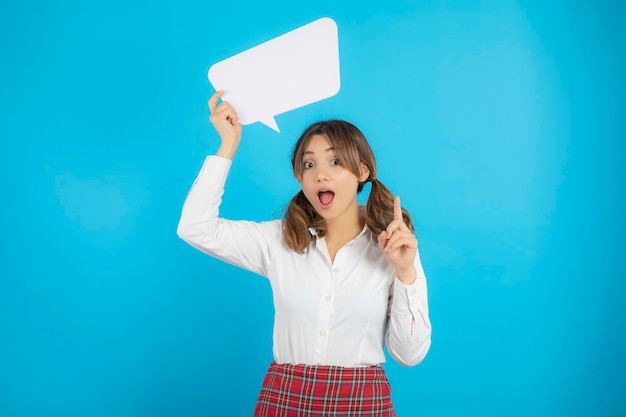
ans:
(324, 318)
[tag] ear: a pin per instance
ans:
(365, 172)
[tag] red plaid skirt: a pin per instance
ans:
(324, 391)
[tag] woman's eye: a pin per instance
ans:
(335, 162)
(308, 164)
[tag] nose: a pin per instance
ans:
(320, 175)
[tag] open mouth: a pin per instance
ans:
(326, 197)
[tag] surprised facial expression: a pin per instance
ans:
(327, 184)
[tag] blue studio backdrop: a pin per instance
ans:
(499, 123)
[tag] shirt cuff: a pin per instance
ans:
(406, 298)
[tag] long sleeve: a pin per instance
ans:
(241, 243)
(409, 329)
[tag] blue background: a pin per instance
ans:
(500, 123)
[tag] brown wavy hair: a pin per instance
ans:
(352, 149)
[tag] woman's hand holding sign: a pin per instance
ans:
(225, 120)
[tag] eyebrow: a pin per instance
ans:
(331, 149)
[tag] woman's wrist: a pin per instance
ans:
(228, 149)
(407, 276)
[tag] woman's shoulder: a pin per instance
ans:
(276, 224)
(272, 228)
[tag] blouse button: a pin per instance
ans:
(327, 298)
(323, 333)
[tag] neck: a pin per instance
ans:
(345, 228)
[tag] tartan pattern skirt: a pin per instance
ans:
(324, 391)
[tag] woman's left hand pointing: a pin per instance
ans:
(399, 245)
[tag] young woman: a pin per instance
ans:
(344, 278)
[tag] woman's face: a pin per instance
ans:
(327, 184)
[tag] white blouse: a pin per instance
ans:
(325, 313)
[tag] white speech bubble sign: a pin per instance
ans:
(293, 70)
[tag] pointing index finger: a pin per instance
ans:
(397, 209)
